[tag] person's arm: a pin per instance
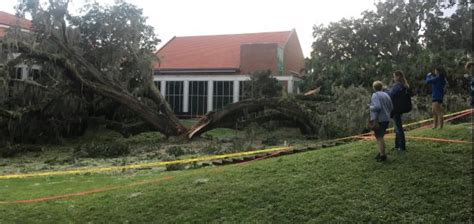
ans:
(375, 107)
(430, 79)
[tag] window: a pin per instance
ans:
(34, 74)
(197, 97)
(223, 94)
(174, 95)
(18, 73)
(280, 64)
(158, 85)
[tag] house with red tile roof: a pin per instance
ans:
(198, 74)
(8, 21)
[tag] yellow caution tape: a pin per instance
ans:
(140, 166)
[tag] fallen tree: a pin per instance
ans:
(260, 111)
(104, 64)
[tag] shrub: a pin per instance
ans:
(272, 141)
(351, 113)
(261, 85)
(101, 150)
(13, 150)
(175, 151)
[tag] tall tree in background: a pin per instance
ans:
(398, 34)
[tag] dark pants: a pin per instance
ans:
(399, 133)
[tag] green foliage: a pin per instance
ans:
(14, 150)
(175, 151)
(351, 115)
(349, 111)
(412, 36)
(114, 39)
(272, 141)
(453, 32)
(262, 85)
(101, 150)
(117, 39)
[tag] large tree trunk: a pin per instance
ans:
(260, 111)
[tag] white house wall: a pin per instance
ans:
(210, 85)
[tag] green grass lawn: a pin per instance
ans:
(431, 182)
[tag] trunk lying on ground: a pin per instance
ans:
(243, 113)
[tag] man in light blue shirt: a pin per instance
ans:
(380, 108)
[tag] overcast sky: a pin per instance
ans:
(206, 17)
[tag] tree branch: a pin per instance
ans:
(161, 122)
(126, 130)
(31, 83)
(10, 114)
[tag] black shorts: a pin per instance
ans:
(438, 101)
(380, 132)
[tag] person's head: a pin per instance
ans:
(377, 85)
(398, 76)
(440, 71)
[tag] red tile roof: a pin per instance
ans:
(212, 52)
(12, 20)
(7, 19)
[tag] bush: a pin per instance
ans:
(101, 150)
(351, 113)
(272, 141)
(175, 151)
(13, 150)
(262, 85)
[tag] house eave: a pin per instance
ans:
(195, 70)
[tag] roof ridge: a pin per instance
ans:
(293, 31)
(158, 51)
(213, 51)
(235, 34)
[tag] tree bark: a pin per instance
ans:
(269, 109)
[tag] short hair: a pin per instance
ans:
(377, 85)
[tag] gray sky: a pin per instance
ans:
(206, 17)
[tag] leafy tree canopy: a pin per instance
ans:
(412, 36)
